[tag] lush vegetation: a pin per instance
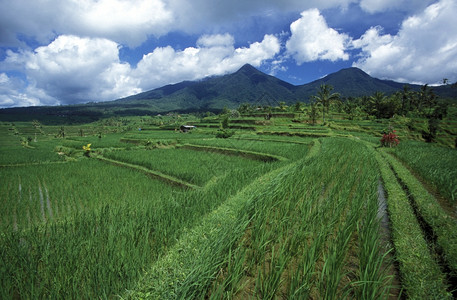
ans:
(437, 165)
(183, 163)
(287, 206)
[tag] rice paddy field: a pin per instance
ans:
(279, 210)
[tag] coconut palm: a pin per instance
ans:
(325, 97)
(376, 102)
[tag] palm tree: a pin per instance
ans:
(376, 102)
(325, 97)
(406, 99)
(427, 98)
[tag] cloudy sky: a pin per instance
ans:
(57, 52)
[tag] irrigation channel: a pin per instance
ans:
(386, 237)
(431, 237)
(434, 244)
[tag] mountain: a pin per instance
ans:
(246, 85)
(251, 85)
(353, 82)
(212, 94)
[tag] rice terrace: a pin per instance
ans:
(317, 200)
(273, 150)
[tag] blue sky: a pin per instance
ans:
(57, 52)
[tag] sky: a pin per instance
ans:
(59, 52)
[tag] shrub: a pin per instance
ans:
(389, 139)
(224, 133)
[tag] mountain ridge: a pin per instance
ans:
(246, 85)
(249, 84)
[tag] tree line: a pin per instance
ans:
(423, 103)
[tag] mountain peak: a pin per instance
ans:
(248, 69)
(352, 70)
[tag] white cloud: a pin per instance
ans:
(130, 22)
(75, 70)
(312, 39)
(423, 51)
(124, 21)
(214, 55)
(223, 40)
(14, 92)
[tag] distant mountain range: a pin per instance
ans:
(252, 86)
(247, 85)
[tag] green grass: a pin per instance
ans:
(420, 274)
(288, 150)
(42, 151)
(192, 166)
(443, 225)
(437, 165)
(106, 141)
(47, 192)
(112, 224)
(268, 240)
(299, 228)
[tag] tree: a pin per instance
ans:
(375, 104)
(313, 113)
(350, 107)
(433, 126)
(325, 97)
(406, 99)
(427, 98)
(297, 106)
(282, 106)
(61, 132)
(225, 123)
(245, 108)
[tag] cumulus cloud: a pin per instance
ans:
(423, 51)
(214, 55)
(130, 22)
(124, 21)
(312, 39)
(15, 92)
(73, 70)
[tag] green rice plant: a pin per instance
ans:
(112, 140)
(30, 194)
(290, 219)
(40, 152)
(289, 150)
(189, 267)
(228, 279)
(437, 165)
(420, 274)
(269, 277)
(236, 152)
(96, 240)
(180, 274)
(374, 281)
(191, 166)
(167, 134)
(442, 224)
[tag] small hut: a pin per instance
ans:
(186, 128)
